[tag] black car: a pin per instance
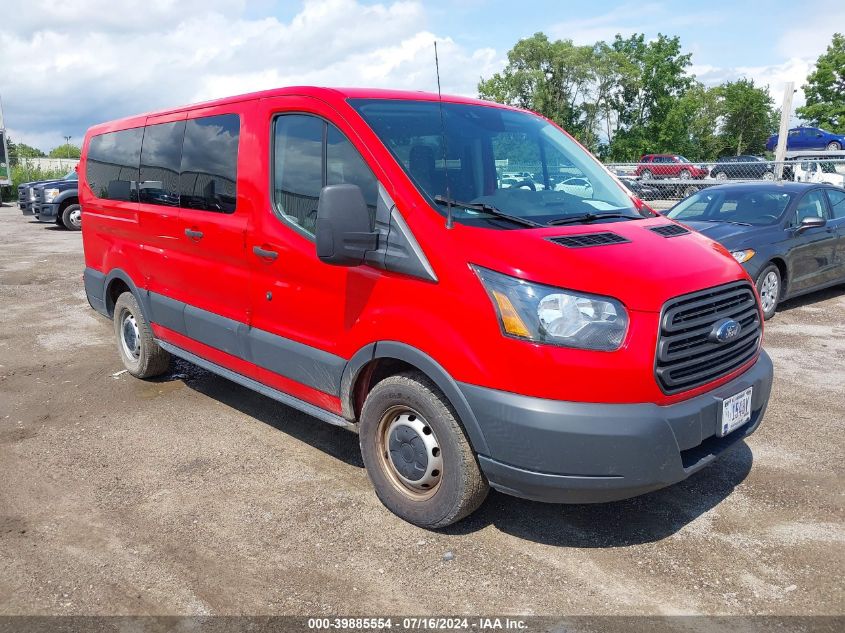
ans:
(640, 189)
(789, 236)
(743, 167)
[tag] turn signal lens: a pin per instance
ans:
(743, 255)
(510, 318)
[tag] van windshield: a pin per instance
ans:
(513, 161)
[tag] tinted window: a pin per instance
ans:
(210, 163)
(160, 158)
(112, 165)
(811, 205)
(344, 165)
(837, 203)
(298, 168)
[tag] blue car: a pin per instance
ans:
(800, 138)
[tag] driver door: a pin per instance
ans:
(811, 259)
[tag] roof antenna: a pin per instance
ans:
(443, 135)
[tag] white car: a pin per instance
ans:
(580, 187)
(813, 171)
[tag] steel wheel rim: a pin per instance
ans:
(685, 175)
(130, 336)
(769, 290)
(721, 176)
(409, 453)
(75, 217)
(768, 176)
(646, 175)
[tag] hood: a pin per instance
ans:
(724, 232)
(644, 272)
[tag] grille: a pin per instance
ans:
(22, 195)
(669, 230)
(589, 239)
(686, 355)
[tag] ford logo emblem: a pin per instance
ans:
(725, 331)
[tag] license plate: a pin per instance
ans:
(736, 411)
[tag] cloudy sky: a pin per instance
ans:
(67, 65)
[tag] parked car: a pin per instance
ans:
(642, 190)
(27, 193)
(469, 332)
(743, 167)
(806, 169)
(58, 203)
(581, 187)
(788, 236)
(668, 166)
(801, 138)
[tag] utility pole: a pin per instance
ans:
(67, 146)
(785, 114)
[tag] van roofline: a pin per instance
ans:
(328, 94)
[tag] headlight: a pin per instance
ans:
(50, 194)
(550, 315)
(31, 193)
(743, 255)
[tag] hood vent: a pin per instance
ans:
(589, 239)
(669, 230)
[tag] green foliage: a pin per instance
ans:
(748, 117)
(632, 97)
(65, 151)
(22, 150)
(825, 89)
(22, 173)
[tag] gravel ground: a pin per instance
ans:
(192, 495)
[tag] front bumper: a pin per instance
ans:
(27, 208)
(573, 452)
(47, 212)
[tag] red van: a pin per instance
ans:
(349, 253)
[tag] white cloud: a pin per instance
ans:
(67, 66)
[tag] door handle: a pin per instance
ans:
(194, 235)
(264, 253)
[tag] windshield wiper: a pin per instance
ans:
(483, 207)
(590, 217)
(735, 222)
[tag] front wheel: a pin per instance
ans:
(72, 217)
(646, 174)
(769, 289)
(685, 174)
(417, 454)
(141, 355)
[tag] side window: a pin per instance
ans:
(836, 199)
(298, 168)
(344, 165)
(812, 204)
(308, 155)
(209, 166)
(161, 155)
(112, 164)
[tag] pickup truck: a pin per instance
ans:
(27, 193)
(58, 202)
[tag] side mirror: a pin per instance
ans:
(343, 226)
(811, 222)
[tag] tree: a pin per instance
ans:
(647, 93)
(825, 89)
(549, 77)
(747, 117)
(65, 151)
(22, 150)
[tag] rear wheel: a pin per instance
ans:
(646, 174)
(72, 217)
(768, 176)
(141, 355)
(769, 288)
(834, 146)
(720, 175)
(417, 455)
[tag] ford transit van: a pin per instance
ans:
(351, 254)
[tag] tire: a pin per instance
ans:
(685, 174)
(767, 175)
(72, 217)
(406, 417)
(141, 355)
(770, 289)
(720, 175)
(645, 174)
(834, 146)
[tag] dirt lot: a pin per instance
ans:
(192, 495)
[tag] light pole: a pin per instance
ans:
(67, 146)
